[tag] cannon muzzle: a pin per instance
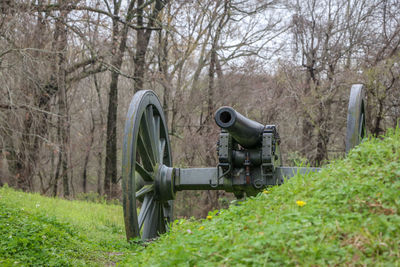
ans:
(246, 132)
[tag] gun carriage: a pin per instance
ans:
(249, 160)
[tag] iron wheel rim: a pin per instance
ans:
(146, 146)
(356, 116)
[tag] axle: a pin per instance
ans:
(171, 180)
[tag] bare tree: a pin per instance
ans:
(118, 46)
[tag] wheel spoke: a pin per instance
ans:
(361, 127)
(143, 173)
(157, 136)
(161, 219)
(147, 135)
(150, 225)
(162, 149)
(147, 160)
(167, 217)
(144, 190)
(147, 205)
(167, 208)
(152, 131)
(157, 127)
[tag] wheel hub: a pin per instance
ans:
(164, 183)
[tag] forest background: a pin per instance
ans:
(69, 68)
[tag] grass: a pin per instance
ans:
(91, 218)
(347, 214)
(350, 217)
(37, 230)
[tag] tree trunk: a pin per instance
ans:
(100, 151)
(61, 33)
(57, 175)
(34, 123)
(86, 162)
(58, 167)
(111, 144)
(163, 69)
(376, 129)
(118, 50)
(322, 137)
(143, 38)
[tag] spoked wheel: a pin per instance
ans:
(146, 153)
(356, 128)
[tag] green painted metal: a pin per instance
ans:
(146, 148)
(198, 179)
(356, 127)
(248, 154)
(246, 132)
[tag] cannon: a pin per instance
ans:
(249, 160)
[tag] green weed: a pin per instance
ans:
(348, 214)
(36, 230)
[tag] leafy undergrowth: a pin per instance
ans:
(347, 214)
(39, 231)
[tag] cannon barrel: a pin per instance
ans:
(246, 132)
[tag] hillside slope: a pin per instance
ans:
(36, 230)
(348, 214)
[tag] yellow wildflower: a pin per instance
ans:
(201, 227)
(265, 191)
(300, 203)
(209, 217)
